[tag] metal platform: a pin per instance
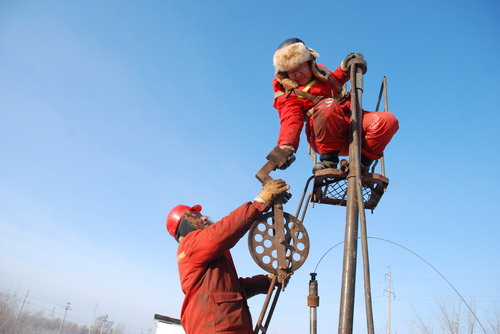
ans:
(330, 187)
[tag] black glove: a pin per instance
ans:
(291, 156)
(286, 197)
(354, 58)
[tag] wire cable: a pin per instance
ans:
(425, 261)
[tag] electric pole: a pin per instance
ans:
(20, 311)
(104, 321)
(66, 309)
(389, 292)
(93, 317)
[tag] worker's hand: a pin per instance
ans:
(354, 58)
(291, 156)
(271, 190)
(285, 281)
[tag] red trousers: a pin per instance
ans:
(329, 127)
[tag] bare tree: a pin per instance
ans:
(494, 320)
(7, 315)
(449, 317)
(419, 326)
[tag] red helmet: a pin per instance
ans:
(175, 216)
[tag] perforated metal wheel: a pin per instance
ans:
(263, 243)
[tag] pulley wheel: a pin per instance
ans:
(262, 243)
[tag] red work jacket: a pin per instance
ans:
(292, 108)
(216, 299)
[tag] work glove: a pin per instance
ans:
(271, 276)
(271, 190)
(354, 58)
(291, 156)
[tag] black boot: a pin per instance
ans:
(327, 160)
(365, 164)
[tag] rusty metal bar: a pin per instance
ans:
(364, 242)
(386, 99)
(355, 210)
(366, 262)
(383, 89)
(279, 229)
(301, 202)
(273, 306)
(386, 108)
(258, 326)
(346, 311)
(358, 85)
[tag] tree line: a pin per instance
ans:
(15, 320)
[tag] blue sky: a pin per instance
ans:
(112, 112)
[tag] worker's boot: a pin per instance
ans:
(365, 164)
(327, 160)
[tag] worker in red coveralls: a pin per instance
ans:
(215, 298)
(307, 92)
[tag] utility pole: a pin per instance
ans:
(93, 317)
(20, 311)
(389, 292)
(66, 308)
(104, 321)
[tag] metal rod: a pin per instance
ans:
(346, 311)
(383, 89)
(279, 229)
(366, 262)
(386, 99)
(358, 85)
(273, 306)
(380, 94)
(357, 105)
(258, 326)
(386, 108)
(302, 200)
(305, 208)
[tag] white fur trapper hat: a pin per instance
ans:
(291, 53)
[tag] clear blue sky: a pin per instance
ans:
(112, 112)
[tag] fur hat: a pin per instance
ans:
(289, 56)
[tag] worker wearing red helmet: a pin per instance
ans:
(215, 297)
(307, 92)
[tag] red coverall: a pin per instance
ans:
(328, 128)
(216, 299)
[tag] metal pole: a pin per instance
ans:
(93, 317)
(386, 108)
(64, 318)
(20, 311)
(351, 232)
(383, 89)
(366, 262)
(313, 303)
(258, 326)
(357, 84)
(355, 209)
(389, 303)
